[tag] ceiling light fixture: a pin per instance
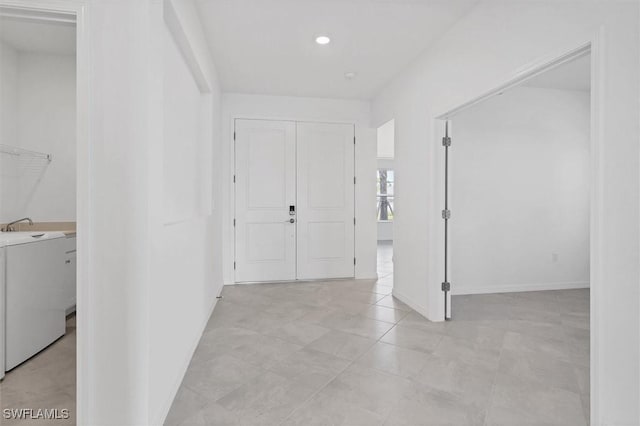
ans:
(350, 75)
(323, 39)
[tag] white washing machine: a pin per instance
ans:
(2, 304)
(34, 303)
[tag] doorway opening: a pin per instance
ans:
(385, 201)
(517, 181)
(39, 145)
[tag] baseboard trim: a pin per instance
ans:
(367, 277)
(186, 362)
(301, 281)
(422, 310)
(514, 288)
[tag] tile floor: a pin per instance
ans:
(348, 353)
(47, 380)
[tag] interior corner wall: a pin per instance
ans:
(306, 109)
(519, 193)
(493, 43)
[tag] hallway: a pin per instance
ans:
(385, 262)
(348, 353)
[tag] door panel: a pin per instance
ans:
(265, 188)
(325, 154)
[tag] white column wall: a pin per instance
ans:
(151, 285)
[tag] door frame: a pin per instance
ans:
(595, 47)
(78, 9)
(232, 191)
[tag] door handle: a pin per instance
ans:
(292, 220)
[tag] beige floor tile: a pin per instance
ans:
(538, 369)
(325, 409)
(185, 404)
(310, 367)
(523, 404)
(428, 407)
(382, 313)
(46, 381)
(369, 389)
(214, 379)
(347, 353)
(471, 384)
(412, 338)
(391, 302)
(394, 360)
(212, 414)
(343, 345)
(266, 400)
(299, 332)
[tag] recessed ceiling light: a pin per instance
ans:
(350, 75)
(323, 39)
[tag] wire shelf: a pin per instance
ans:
(20, 152)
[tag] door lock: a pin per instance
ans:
(292, 211)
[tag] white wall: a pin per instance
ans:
(47, 123)
(495, 42)
(39, 114)
(519, 186)
(186, 246)
(386, 140)
(114, 215)
(150, 285)
(8, 129)
(308, 109)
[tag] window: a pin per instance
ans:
(385, 194)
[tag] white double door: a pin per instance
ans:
(294, 200)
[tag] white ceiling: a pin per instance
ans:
(574, 75)
(267, 46)
(30, 35)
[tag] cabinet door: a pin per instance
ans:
(69, 285)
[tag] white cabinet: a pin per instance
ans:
(69, 280)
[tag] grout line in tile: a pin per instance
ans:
(352, 362)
